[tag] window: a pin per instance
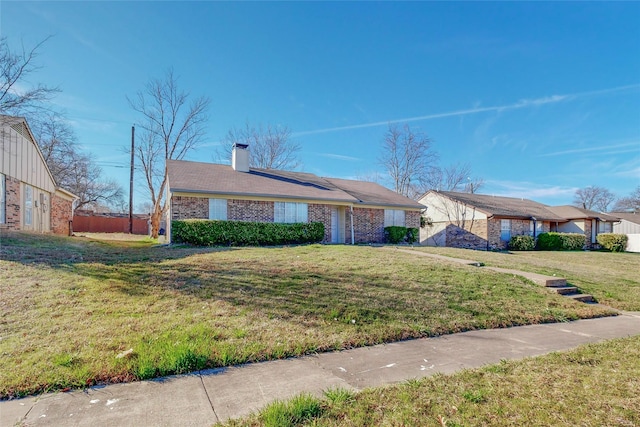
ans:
(289, 212)
(218, 209)
(604, 227)
(505, 230)
(3, 200)
(393, 217)
(28, 205)
(538, 225)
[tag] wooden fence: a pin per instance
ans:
(90, 222)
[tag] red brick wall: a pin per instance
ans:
(368, 222)
(250, 210)
(321, 213)
(61, 214)
(13, 212)
(412, 219)
(189, 207)
(369, 225)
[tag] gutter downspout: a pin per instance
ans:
(353, 242)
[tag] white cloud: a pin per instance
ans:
(634, 146)
(339, 157)
(529, 190)
(524, 103)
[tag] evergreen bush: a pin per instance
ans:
(522, 243)
(612, 242)
(204, 232)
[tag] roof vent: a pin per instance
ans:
(240, 157)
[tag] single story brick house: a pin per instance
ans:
(485, 222)
(351, 211)
(30, 200)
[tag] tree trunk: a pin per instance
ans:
(156, 215)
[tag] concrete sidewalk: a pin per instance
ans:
(203, 398)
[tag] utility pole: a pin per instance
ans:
(133, 132)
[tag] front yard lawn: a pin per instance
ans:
(593, 385)
(71, 306)
(612, 278)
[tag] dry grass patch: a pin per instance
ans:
(71, 305)
(593, 385)
(612, 278)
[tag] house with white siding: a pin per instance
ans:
(30, 200)
(487, 222)
(630, 225)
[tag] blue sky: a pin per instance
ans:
(539, 98)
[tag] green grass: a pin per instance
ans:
(612, 278)
(70, 306)
(593, 385)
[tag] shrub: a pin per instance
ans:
(612, 242)
(554, 241)
(413, 234)
(204, 232)
(522, 243)
(396, 234)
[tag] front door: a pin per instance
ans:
(335, 225)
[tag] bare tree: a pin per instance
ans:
(593, 198)
(408, 159)
(172, 127)
(16, 99)
(270, 147)
(630, 203)
(71, 168)
(456, 177)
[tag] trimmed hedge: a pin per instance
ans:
(204, 232)
(396, 234)
(612, 242)
(522, 243)
(554, 241)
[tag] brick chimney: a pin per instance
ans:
(240, 157)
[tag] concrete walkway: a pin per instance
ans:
(203, 398)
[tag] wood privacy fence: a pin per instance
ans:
(91, 222)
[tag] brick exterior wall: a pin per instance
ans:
(368, 222)
(587, 235)
(249, 210)
(13, 212)
(368, 225)
(470, 234)
(322, 213)
(189, 207)
(61, 214)
(412, 219)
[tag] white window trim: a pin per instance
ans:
(3, 199)
(290, 212)
(28, 205)
(395, 217)
(504, 229)
(218, 209)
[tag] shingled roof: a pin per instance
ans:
(512, 207)
(211, 178)
(509, 207)
(572, 212)
(628, 216)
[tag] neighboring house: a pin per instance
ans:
(29, 197)
(351, 211)
(479, 221)
(584, 221)
(630, 225)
